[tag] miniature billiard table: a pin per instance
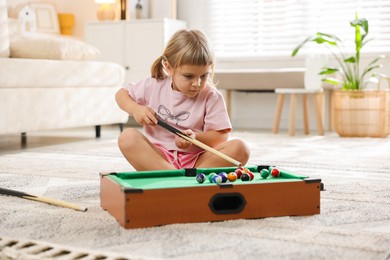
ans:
(153, 198)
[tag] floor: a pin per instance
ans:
(12, 143)
(353, 224)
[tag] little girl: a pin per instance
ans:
(181, 93)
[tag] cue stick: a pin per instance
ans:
(42, 199)
(197, 143)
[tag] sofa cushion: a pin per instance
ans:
(52, 47)
(4, 38)
(33, 73)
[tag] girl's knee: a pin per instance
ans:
(128, 138)
(239, 145)
(241, 149)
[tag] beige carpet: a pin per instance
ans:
(355, 207)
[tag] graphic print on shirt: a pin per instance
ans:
(165, 114)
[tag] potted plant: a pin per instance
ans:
(357, 111)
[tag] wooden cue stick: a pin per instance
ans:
(42, 199)
(198, 143)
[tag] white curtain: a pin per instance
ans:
(259, 28)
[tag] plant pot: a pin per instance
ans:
(361, 113)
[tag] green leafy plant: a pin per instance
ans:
(352, 77)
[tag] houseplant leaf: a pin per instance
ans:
(349, 66)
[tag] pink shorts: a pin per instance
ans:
(180, 159)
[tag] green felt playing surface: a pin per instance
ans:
(178, 179)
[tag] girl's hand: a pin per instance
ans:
(145, 115)
(184, 144)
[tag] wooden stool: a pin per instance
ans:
(318, 109)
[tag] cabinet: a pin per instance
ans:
(133, 44)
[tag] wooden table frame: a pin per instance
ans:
(137, 208)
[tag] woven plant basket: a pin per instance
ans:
(362, 113)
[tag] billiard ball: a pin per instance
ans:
(239, 172)
(223, 176)
(245, 177)
(275, 173)
(232, 176)
(200, 177)
(222, 173)
(251, 175)
(264, 173)
(217, 179)
(211, 175)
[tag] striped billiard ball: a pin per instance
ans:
(200, 177)
(264, 173)
(251, 175)
(239, 172)
(217, 179)
(223, 176)
(211, 176)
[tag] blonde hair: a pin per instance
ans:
(186, 47)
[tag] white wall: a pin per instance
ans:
(84, 10)
(251, 110)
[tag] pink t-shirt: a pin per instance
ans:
(204, 112)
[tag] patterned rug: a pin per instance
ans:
(38, 250)
(354, 222)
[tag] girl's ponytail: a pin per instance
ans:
(157, 70)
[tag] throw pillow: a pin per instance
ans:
(54, 47)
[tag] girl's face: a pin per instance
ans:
(190, 79)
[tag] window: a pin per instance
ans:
(260, 28)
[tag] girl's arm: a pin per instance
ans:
(212, 138)
(142, 114)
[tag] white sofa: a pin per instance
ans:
(62, 90)
(258, 80)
